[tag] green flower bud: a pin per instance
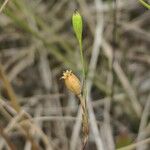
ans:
(77, 26)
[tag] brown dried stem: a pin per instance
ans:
(9, 89)
(7, 139)
(85, 124)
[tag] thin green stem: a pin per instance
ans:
(83, 68)
(145, 4)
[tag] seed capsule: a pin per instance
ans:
(72, 82)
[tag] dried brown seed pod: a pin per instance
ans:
(72, 82)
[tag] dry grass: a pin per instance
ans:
(37, 43)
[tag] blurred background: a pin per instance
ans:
(37, 44)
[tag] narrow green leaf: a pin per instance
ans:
(145, 4)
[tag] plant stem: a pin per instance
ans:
(3, 5)
(83, 72)
(83, 63)
(145, 4)
(9, 90)
(7, 139)
(85, 126)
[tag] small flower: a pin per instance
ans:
(72, 82)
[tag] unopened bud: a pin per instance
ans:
(77, 25)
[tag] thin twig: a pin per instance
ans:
(143, 123)
(3, 5)
(124, 80)
(128, 89)
(76, 130)
(92, 67)
(7, 139)
(110, 79)
(9, 90)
